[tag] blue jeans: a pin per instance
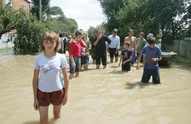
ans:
(133, 56)
(147, 73)
(77, 61)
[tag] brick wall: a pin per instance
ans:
(17, 4)
(21, 4)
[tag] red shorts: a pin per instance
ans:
(54, 98)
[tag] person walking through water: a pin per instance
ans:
(75, 54)
(100, 48)
(133, 47)
(48, 85)
(114, 45)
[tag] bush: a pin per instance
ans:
(182, 60)
(29, 31)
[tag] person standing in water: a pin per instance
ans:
(126, 57)
(75, 54)
(114, 45)
(48, 85)
(100, 48)
(141, 42)
(133, 47)
(153, 54)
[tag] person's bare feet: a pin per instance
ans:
(105, 66)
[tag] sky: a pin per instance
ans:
(86, 12)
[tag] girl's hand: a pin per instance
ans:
(73, 65)
(36, 105)
(65, 99)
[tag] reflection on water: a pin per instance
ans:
(105, 96)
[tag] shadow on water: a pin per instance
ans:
(51, 121)
(31, 122)
(130, 85)
(114, 66)
(117, 72)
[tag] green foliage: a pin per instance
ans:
(55, 10)
(8, 17)
(155, 16)
(55, 17)
(184, 60)
(35, 7)
(29, 30)
(91, 31)
(110, 8)
(62, 24)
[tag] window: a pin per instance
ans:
(24, 7)
(8, 1)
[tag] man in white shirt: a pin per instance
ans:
(114, 45)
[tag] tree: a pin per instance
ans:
(155, 16)
(8, 17)
(91, 31)
(35, 7)
(55, 10)
(166, 18)
(110, 8)
(63, 24)
(29, 31)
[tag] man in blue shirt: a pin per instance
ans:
(151, 67)
(114, 45)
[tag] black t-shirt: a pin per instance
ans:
(126, 54)
(92, 40)
(101, 45)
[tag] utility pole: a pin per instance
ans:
(40, 9)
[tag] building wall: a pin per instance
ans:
(17, 4)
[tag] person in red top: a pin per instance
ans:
(75, 54)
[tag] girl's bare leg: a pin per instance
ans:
(43, 111)
(56, 111)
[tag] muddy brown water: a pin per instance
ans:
(104, 96)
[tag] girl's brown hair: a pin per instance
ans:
(51, 36)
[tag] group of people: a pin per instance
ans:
(48, 84)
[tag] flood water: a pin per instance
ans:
(104, 96)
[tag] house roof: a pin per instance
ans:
(28, 1)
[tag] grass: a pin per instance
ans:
(5, 49)
(182, 60)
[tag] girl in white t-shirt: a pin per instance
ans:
(48, 85)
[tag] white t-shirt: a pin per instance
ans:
(50, 72)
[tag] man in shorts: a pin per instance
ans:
(114, 45)
(100, 48)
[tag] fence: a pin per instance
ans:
(182, 47)
(3, 41)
